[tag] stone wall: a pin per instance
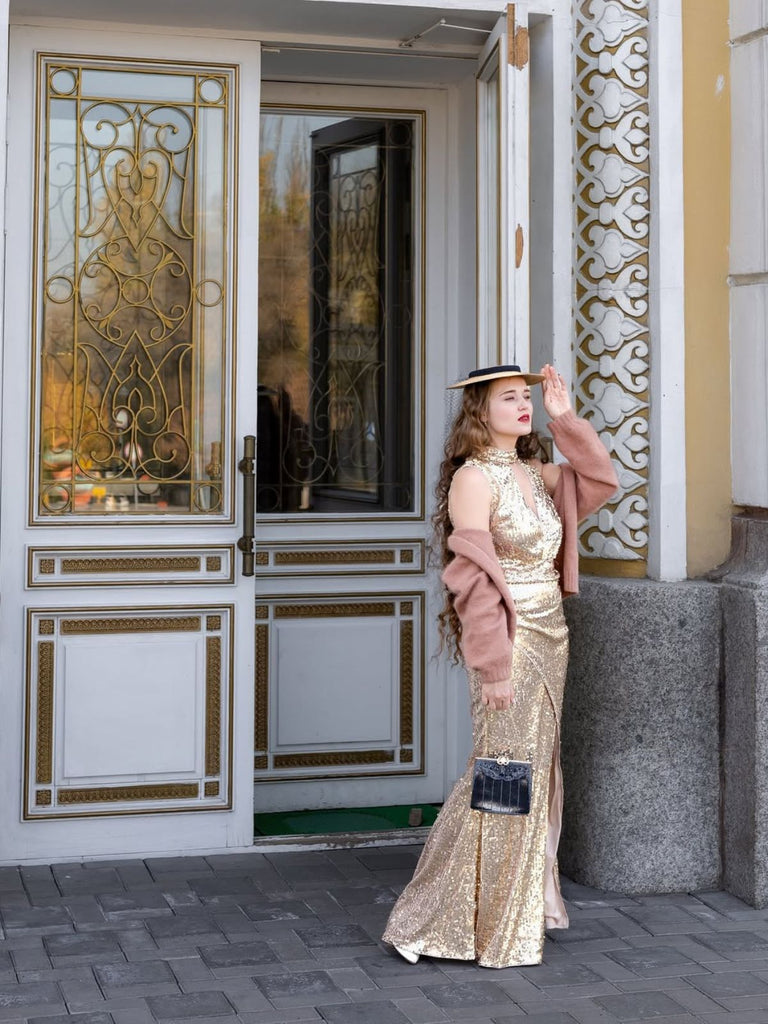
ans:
(641, 743)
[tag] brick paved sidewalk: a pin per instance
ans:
(267, 939)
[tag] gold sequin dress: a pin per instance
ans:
(486, 884)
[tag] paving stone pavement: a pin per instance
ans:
(281, 937)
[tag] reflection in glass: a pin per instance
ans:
(335, 315)
(134, 314)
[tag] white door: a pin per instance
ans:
(351, 705)
(129, 381)
(503, 192)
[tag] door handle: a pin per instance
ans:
(246, 467)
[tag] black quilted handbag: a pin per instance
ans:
(502, 786)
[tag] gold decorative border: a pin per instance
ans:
(332, 558)
(117, 566)
(212, 705)
(40, 703)
(332, 759)
(261, 709)
(114, 794)
(420, 334)
(332, 610)
(406, 682)
(380, 556)
(401, 606)
(160, 563)
(152, 624)
(44, 746)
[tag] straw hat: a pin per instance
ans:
(494, 372)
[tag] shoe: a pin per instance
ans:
(406, 954)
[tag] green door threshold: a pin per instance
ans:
(345, 821)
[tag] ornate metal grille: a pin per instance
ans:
(134, 264)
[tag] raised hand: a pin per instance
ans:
(555, 392)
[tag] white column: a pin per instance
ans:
(667, 541)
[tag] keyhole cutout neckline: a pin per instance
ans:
(510, 456)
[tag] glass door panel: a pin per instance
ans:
(335, 323)
(132, 302)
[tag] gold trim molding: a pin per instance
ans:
(406, 683)
(333, 759)
(212, 705)
(153, 624)
(161, 563)
(383, 556)
(261, 708)
(334, 611)
(44, 749)
(112, 794)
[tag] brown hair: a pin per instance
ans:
(468, 436)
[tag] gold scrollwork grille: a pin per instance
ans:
(132, 267)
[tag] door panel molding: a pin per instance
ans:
(334, 558)
(130, 566)
(340, 686)
(101, 737)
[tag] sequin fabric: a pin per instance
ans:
(478, 892)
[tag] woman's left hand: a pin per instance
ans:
(555, 392)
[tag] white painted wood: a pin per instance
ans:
(503, 198)
(748, 16)
(113, 835)
(491, 219)
(129, 707)
(749, 148)
(562, 189)
(749, 389)
(516, 180)
(749, 258)
(667, 541)
(336, 683)
(296, 21)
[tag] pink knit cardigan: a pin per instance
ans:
(482, 598)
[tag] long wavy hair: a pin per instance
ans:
(468, 436)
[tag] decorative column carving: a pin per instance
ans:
(611, 261)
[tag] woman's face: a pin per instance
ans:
(509, 411)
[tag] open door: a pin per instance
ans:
(503, 286)
(127, 626)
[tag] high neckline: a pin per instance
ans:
(501, 456)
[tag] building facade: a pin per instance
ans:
(244, 255)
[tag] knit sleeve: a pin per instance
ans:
(487, 627)
(596, 479)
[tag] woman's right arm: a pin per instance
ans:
(469, 500)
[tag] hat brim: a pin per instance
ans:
(529, 378)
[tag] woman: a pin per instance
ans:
(486, 885)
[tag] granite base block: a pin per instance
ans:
(640, 742)
(744, 595)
